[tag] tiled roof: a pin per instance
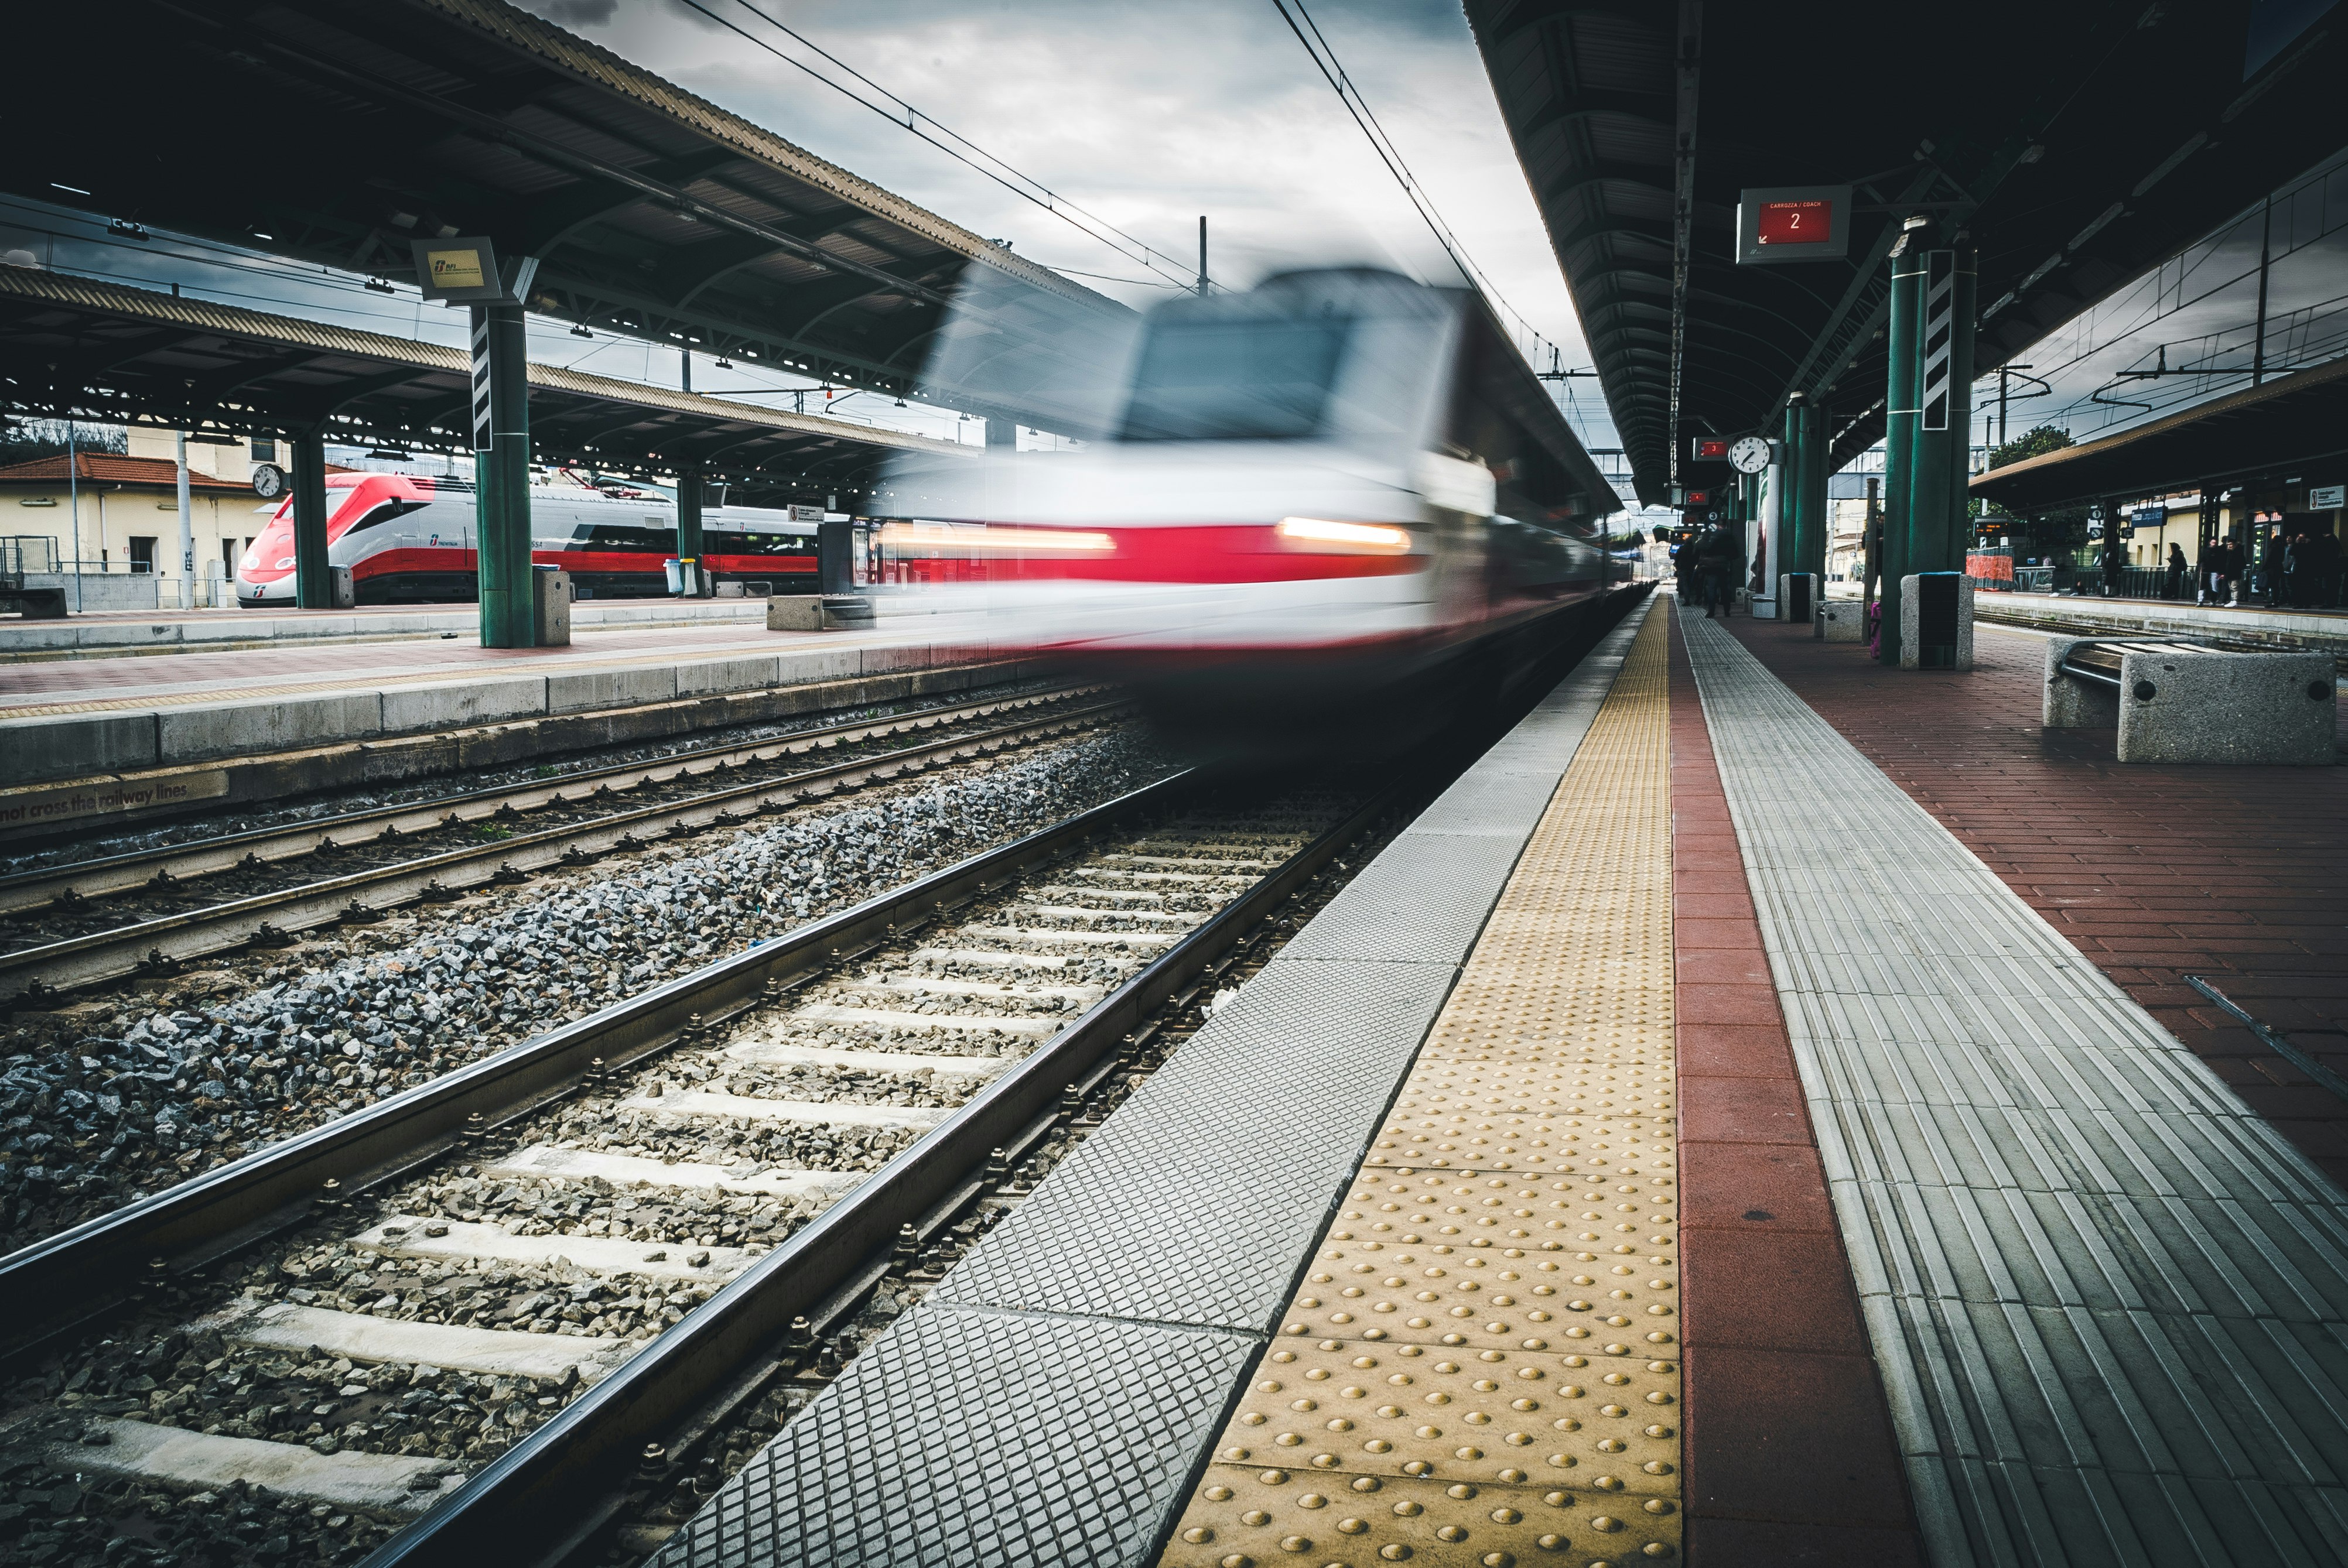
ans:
(112, 468)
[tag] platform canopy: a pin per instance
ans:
(2293, 423)
(2080, 144)
(73, 347)
(341, 131)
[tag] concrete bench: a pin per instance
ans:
(2183, 702)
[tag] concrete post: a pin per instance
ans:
(187, 529)
(1902, 329)
(688, 529)
(1773, 530)
(314, 573)
(502, 476)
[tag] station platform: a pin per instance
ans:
(1677, 1143)
(112, 633)
(178, 705)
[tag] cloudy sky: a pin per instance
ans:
(1147, 115)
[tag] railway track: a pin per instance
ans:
(437, 850)
(537, 1307)
(707, 1154)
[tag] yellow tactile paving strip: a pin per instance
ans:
(1482, 1365)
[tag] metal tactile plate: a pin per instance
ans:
(1193, 1203)
(961, 1439)
(1422, 900)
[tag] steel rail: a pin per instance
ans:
(536, 1504)
(67, 1278)
(363, 895)
(105, 875)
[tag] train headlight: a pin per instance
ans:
(947, 538)
(1368, 539)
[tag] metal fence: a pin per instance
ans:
(22, 553)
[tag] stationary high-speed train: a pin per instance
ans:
(1335, 488)
(410, 540)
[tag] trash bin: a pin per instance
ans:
(550, 606)
(676, 569)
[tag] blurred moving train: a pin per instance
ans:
(1318, 499)
(409, 539)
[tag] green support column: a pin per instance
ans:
(1944, 425)
(1789, 507)
(688, 526)
(1943, 392)
(314, 574)
(501, 476)
(1905, 322)
(1812, 489)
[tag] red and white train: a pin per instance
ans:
(409, 539)
(1338, 493)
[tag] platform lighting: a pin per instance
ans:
(725, 364)
(580, 332)
(379, 286)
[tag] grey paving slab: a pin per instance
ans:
(978, 1439)
(2106, 1297)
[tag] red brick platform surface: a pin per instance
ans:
(2235, 873)
(1789, 1449)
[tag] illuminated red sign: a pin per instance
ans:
(1698, 498)
(1796, 222)
(1712, 448)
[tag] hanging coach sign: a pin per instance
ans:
(1793, 223)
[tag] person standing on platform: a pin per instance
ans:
(2273, 562)
(1721, 558)
(2175, 587)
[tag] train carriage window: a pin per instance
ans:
(1262, 380)
(384, 513)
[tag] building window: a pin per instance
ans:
(228, 558)
(265, 449)
(142, 554)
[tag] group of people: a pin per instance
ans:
(1707, 565)
(2301, 570)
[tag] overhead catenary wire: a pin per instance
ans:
(1333, 70)
(899, 112)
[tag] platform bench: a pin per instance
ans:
(2185, 703)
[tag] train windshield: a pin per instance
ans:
(1235, 379)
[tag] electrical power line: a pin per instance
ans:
(1333, 70)
(897, 111)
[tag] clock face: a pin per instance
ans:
(1750, 454)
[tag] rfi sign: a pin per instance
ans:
(1795, 223)
(2327, 497)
